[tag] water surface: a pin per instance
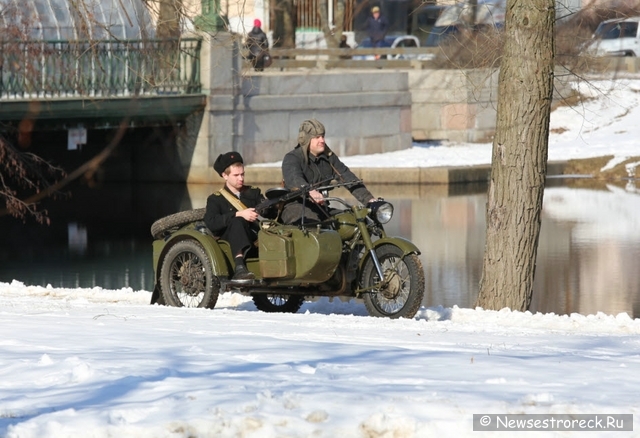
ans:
(587, 257)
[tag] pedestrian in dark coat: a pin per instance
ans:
(311, 162)
(344, 45)
(258, 45)
(377, 28)
(237, 224)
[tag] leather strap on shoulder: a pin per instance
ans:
(237, 204)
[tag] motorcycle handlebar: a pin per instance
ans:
(303, 191)
(293, 194)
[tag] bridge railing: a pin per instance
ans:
(390, 58)
(104, 68)
(404, 58)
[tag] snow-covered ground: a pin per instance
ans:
(99, 363)
(104, 363)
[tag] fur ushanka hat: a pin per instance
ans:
(309, 129)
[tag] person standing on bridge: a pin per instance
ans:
(377, 28)
(258, 45)
(344, 45)
(312, 162)
(231, 213)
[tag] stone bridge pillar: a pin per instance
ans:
(212, 132)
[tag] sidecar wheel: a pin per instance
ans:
(186, 277)
(402, 296)
(278, 303)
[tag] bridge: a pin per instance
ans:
(100, 82)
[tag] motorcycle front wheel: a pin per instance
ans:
(400, 294)
(186, 277)
(273, 303)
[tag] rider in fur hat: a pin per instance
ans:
(310, 162)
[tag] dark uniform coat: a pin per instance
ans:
(220, 218)
(258, 44)
(219, 211)
(377, 30)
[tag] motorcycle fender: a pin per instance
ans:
(210, 245)
(407, 247)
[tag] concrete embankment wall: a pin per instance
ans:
(363, 112)
(456, 105)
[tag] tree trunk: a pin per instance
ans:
(169, 16)
(284, 30)
(332, 34)
(472, 13)
(519, 157)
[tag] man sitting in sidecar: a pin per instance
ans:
(231, 213)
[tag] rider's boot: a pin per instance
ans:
(242, 273)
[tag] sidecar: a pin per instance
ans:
(192, 266)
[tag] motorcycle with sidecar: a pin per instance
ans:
(347, 255)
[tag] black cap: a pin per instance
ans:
(225, 160)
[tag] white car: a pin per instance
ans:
(617, 37)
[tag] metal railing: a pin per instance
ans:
(392, 58)
(104, 68)
(405, 58)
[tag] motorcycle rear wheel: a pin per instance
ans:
(186, 277)
(402, 296)
(274, 303)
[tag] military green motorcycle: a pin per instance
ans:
(347, 255)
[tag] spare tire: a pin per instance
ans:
(176, 220)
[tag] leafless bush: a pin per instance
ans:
(24, 175)
(574, 34)
(572, 38)
(483, 48)
(471, 49)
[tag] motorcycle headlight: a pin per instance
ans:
(381, 211)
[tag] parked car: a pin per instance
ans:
(393, 42)
(617, 37)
